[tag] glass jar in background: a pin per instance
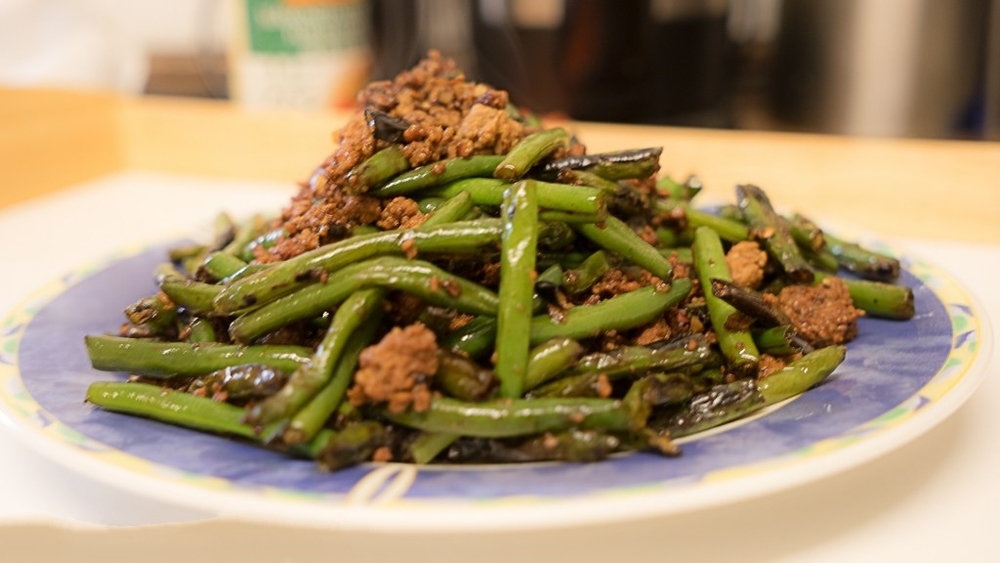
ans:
(302, 54)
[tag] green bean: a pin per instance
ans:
(624, 199)
(806, 233)
(736, 344)
(548, 282)
(238, 383)
(292, 274)
(515, 417)
(584, 178)
(184, 254)
(450, 211)
(667, 389)
(554, 235)
(439, 173)
(800, 375)
(681, 254)
(352, 445)
(777, 341)
(879, 299)
(221, 265)
(617, 165)
(583, 200)
(155, 312)
(631, 361)
(574, 446)
(377, 169)
(822, 260)
(428, 204)
(265, 241)
(549, 359)
(530, 151)
(728, 229)
(174, 407)
(772, 230)
(428, 445)
(749, 302)
(615, 236)
(167, 360)
(310, 378)
(196, 297)
(675, 190)
(627, 310)
(718, 405)
(730, 401)
(579, 279)
(570, 218)
(245, 234)
(866, 263)
(685, 352)
(463, 378)
(475, 340)
(517, 269)
(418, 277)
(200, 330)
(308, 420)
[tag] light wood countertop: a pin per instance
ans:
(944, 190)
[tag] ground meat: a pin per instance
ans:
(615, 282)
(746, 263)
(654, 332)
(396, 371)
(822, 314)
(400, 213)
(486, 130)
(447, 116)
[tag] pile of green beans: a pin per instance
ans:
(540, 363)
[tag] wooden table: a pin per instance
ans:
(945, 190)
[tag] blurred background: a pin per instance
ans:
(907, 68)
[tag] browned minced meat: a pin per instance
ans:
(746, 263)
(654, 332)
(400, 213)
(615, 282)
(396, 370)
(447, 115)
(822, 314)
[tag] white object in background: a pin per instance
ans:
(306, 55)
(67, 44)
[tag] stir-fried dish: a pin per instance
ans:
(459, 282)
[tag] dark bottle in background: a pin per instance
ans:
(639, 61)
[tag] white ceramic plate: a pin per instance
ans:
(899, 380)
